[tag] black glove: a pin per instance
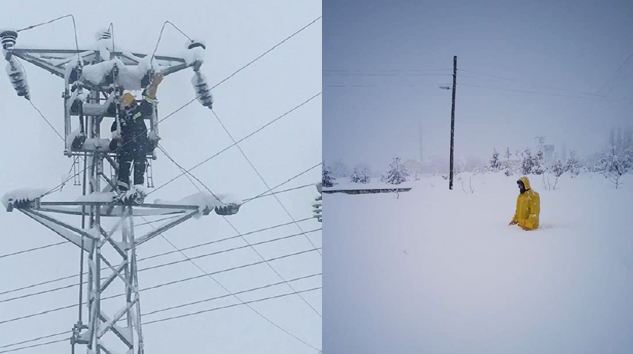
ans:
(114, 144)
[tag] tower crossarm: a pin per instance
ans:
(56, 61)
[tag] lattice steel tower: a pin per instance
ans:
(94, 81)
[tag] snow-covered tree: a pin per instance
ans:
(572, 165)
(615, 165)
(537, 165)
(494, 161)
(361, 174)
(528, 162)
(532, 164)
(339, 169)
(558, 168)
(328, 179)
(508, 154)
(397, 173)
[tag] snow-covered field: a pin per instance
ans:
(439, 271)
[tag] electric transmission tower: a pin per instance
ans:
(94, 81)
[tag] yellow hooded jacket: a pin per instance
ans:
(528, 208)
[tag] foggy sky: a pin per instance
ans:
(383, 63)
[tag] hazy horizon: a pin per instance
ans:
(560, 70)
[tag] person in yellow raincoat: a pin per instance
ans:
(528, 206)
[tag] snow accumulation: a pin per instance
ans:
(22, 194)
(104, 46)
(204, 201)
(194, 54)
(97, 144)
(344, 183)
(130, 76)
(71, 137)
(440, 271)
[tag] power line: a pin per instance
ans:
(228, 306)
(160, 285)
(160, 36)
(280, 203)
(235, 295)
(263, 194)
(234, 228)
(163, 320)
(234, 144)
(524, 81)
(227, 295)
(161, 254)
(165, 265)
(541, 93)
(47, 121)
(216, 85)
(279, 192)
(210, 158)
(37, 314)
(268, 51)
(261, 178)
(31, 250)
(35, 345)
(615, 75)
(33, 339)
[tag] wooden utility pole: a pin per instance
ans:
(450, 182)
(420, 132)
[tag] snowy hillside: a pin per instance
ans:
(439, 271)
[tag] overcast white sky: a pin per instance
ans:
(524, 69)
(235, 33)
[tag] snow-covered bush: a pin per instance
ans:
(328, 179)
(528, 162)
(397, 173)
(339, 169)
(615, 165)
(537, 165)
(361, 174)
(572, 165)
(556, 169)
(494, 161)
(532, 164)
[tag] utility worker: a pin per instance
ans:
(132, 143)
(528, 206)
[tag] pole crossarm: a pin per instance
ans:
(112, 209)
(55, 61)
(59, 228)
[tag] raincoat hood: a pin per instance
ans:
(526, 182)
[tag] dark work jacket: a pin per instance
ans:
(132, 122)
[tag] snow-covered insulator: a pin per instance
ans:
(103, 34)
(317, 208)
(203, 91)
(8, 39)
(228, 209)
(194, 44)
(194, 56)
(17, 76)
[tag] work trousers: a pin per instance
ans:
(132, 153)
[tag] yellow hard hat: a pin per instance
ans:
(127, 99)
